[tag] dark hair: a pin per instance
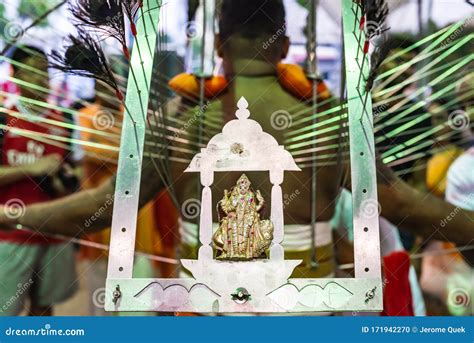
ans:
(251, 18)
(23, 52)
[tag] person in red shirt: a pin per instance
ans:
(34, 168)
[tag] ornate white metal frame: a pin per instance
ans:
(214, 283)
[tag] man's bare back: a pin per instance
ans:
(267, 99)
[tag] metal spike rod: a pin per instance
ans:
(313, 74)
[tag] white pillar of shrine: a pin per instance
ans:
(205, 218)
(276, 216)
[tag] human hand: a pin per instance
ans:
(47, 165)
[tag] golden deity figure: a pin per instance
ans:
(242, 234)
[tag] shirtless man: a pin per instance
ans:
(245, 26)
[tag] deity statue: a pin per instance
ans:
(242, 234)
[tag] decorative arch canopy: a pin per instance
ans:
(243, 146)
